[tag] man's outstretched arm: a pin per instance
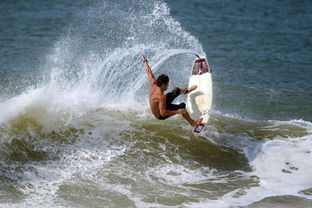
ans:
(148, 70)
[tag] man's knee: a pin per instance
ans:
(182, 105)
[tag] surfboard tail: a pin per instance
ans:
(199, 128)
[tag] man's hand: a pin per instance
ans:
(182, 111)
(188, 90)
(192, 88)
(148, 70)
(143, 58)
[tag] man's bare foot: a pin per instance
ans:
(196, 122)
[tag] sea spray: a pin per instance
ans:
(85, 135)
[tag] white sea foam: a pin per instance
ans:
(42, 181)
(283, 166)
(178, 175)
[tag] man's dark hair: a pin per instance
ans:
(162, 79)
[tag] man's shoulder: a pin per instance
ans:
(154, 85)
(160, 96)
(155, 88)
(156, 93)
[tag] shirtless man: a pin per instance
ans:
(161, 105)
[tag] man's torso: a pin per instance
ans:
(155, 96)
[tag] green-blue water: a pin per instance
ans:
(75, 125)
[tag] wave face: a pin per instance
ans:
(76, 129)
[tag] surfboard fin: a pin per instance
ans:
(199, 128)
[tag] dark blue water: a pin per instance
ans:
(260, 52)
(75, 125)
(28, 30)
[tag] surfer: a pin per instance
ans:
(161, 104)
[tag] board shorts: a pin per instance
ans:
(169, 99)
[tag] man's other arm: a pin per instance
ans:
(148, 70)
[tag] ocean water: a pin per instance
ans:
(75, 125)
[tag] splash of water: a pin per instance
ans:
(96, 64)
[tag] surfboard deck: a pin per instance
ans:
(199, 101)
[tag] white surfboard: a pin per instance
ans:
(199, 101)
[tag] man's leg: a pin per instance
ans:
(169, 99)
(192, 122)
(185, 115)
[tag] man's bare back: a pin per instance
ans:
(155, 96)
(160, 104)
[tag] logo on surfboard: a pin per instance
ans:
(199, 128)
